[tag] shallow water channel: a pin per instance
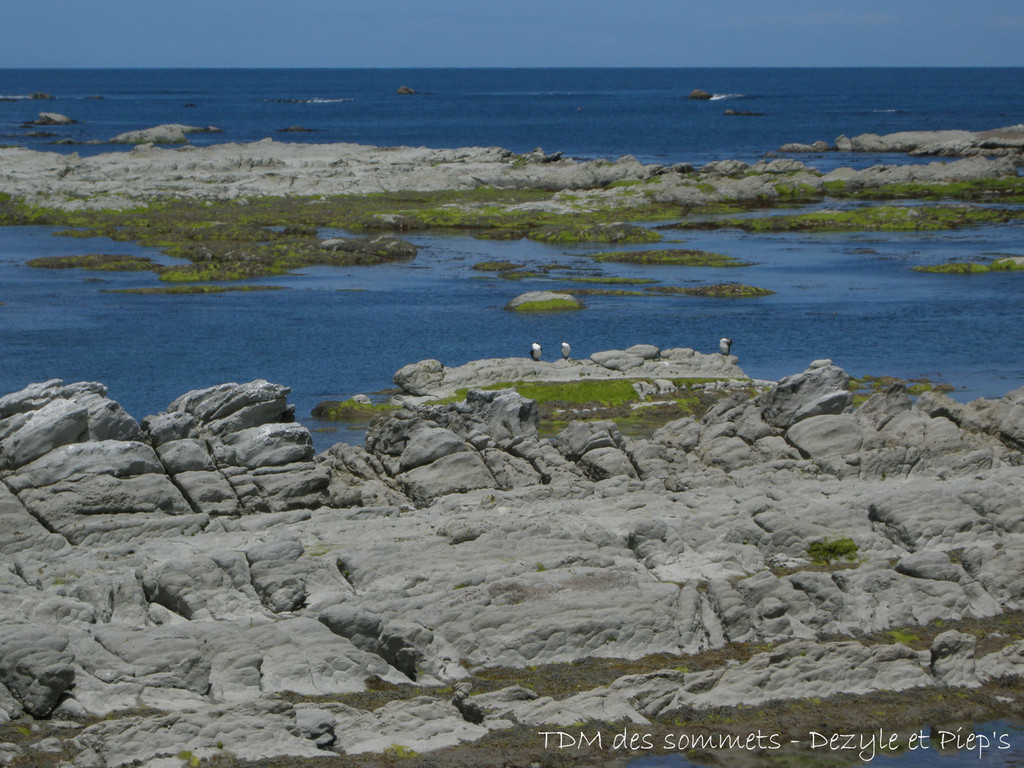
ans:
(336, 332)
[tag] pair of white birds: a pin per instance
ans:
(724, 345)
(536, 351)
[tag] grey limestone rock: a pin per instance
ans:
(815, 392)
(580, 437)
(169, 426)
(76, 461)
(453, 473)
(52, 118)
(267, 445)
(185, 455)
(618, 360)
(602, 463)
(171, 133)
(420, 378)
(420, 724)
(57, 423)
(233, 407)
(519, 550)
(35, 666)
(276, 576)
(952, 659)
(818, 437)
(429, 444)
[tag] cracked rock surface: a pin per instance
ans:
(202, 578)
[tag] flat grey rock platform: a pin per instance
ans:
(203, 581)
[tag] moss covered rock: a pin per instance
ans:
(683, 256)
(543, 301)
(94, 261)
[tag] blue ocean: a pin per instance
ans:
(336, 332)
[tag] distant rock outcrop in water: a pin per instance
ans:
(699, 95)
(192, 569)
(162, 134)
(52, 118)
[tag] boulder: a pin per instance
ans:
(533, 301)
(420, 378)
(815, 392)
(618, 360)
(52, 118)
(699, 95)
(57, 423)
(172, 133)
(233, 407)
(580, 437)
(427, 445)
(268, 445)
(952, 659)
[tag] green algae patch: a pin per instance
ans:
(827, 551)
(716, 291)
(516, 274)
(955, 268)
(883, 218)
(193, 289)
(495, 266)
(869, 383)
(548, 305)
(1007, 264)
(95, 261)
(605, 292)
(349, 410)
(606, 392)
(560, 403)
(679, 256)
(612, 280)
(1009, 189)
(1004, 264)
(615, 232)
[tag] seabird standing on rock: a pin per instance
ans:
(724, 345)
(566, 349)
(535, 351)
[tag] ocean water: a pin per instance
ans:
(583, 112)
(337, 332)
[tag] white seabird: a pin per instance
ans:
(724, 345)
(535, 351)
(566, 349)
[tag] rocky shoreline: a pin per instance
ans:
(202, 586)
(120, 180)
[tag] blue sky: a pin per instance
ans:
(509, 33)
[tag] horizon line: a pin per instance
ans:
(514, 67)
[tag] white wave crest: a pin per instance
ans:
(315, 100)
(720, 96)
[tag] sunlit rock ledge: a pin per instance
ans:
(203, 581)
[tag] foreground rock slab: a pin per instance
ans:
(203, 582)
